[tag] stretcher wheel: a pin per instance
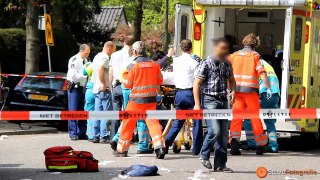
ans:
(187, 145)
(176, 149)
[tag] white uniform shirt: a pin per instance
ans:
(184, 68)
(75, 70)
(118, 60)
(101, 59)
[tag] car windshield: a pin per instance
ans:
(43, 83)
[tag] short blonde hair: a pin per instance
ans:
(251, 40)
(109, 44)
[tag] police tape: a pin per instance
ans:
(34, 76)
(225, 114)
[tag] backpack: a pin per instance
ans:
(65, 159)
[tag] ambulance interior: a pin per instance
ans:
(268, 24)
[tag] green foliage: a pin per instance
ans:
(12, 51)
(10, 13)
(12, 39)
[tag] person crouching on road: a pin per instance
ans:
(267, 102)
(184, 68)
(247, 69)
(89, 98)
(76, 83)
(144, 78)
(102, 90)
(213, 76)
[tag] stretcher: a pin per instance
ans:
(167, 100)
(167, 103)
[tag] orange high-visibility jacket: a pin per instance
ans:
(246, 69)
(143, 77)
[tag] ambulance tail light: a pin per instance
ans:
(197, 31)
(307, 34)
(303, 98)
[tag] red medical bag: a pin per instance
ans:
(65, 159)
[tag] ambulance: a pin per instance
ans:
(289, 33)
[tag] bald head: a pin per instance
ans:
(109, 47)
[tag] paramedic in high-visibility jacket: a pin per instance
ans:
(266, 102)
(144, 78)
(247, 69)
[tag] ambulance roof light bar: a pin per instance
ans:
(252, 2)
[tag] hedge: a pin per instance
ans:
(12, 39)
(12, 50)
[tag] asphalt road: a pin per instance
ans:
(21, 157)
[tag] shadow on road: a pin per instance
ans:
(11, 172)
(298, 144)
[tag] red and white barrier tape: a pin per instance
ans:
(34, 76)
(293, 114)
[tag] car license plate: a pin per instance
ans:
(38, 97)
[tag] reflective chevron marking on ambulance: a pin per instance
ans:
(294, 100)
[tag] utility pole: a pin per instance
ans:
(166, 46)
(48, 47)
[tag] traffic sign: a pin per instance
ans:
(49, 31)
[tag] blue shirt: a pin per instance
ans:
(273, 80)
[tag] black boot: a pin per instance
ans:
(119, 154)
(96, 140)
(149, 151)
(160, 153)
(235, 147)
(261, 150)
(113, 145)
(166, 149)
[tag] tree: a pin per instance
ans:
(12, 13)
(32, 40)
(138, 20)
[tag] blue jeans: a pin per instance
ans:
(103, 102)
(217, 133)
(185, 101)
(89, 106)
(75, 103)
(266, 103)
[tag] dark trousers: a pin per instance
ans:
(117, 106)
(185, 101)
(76, 103)
(217, 133)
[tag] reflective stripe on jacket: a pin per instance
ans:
(143, 77)
(273, 80)
(246, 69)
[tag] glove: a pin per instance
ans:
(269, 93)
